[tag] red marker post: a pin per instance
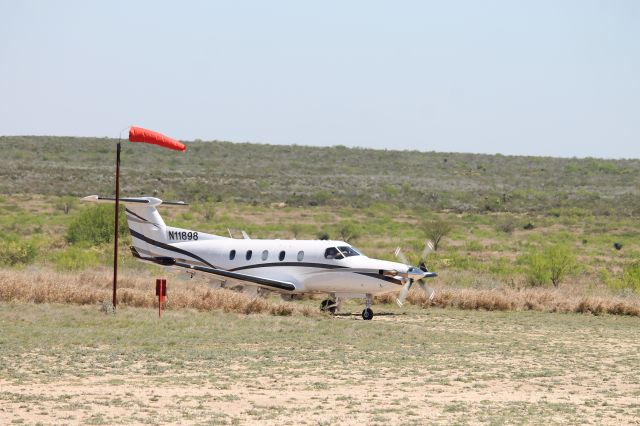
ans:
(161, 292)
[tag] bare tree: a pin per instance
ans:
(348, 231)
(436, 230)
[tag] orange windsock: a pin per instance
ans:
(138, 134)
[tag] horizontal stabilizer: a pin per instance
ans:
(150, 201)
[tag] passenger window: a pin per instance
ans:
(232, 254)
(249, 253)
(265, 254)
(300, 256)
(281, 256)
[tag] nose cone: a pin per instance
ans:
(418, 273)
(415, 273)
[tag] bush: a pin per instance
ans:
(506, 225)
(76, 258)
(324, 236)
(561, 261)
(437, 229)
(551, 265)
(66, 204)
(348, 231)
(536, 269)
(631, 276)
(94, 226)
(15, 252)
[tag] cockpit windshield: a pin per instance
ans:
(340, 252)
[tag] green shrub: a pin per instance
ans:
(631, 276)
(536, 269)
(14, 252)
(348, 231)
(436, 230)
(94, 226)
(76, 258)
(550, 265)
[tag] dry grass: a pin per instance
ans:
(95, 287)
(536, 299)
(89, 288)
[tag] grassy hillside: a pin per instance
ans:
(310, 176)
(510, 217)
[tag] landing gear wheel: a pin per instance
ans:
(367, 314)
(328, 305)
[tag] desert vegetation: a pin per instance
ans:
(334, 176)
(500, 224)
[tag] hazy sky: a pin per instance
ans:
(558, 78)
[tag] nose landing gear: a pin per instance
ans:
(367, 314)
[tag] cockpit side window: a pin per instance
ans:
(332, 253)
(349, 251)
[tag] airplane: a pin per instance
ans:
(289, 267)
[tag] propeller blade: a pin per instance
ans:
(427, 291)
(403, 293)
(400, 255)
(428, 248)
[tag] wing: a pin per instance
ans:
(269, 283)
(263, 282)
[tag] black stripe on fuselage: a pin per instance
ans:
(168, 247)
(303, 264)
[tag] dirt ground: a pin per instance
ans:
(443, 367)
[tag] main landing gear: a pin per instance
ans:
(328, 305)
(367, 314)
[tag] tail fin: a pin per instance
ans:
(145, 223)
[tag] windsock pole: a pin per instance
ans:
(115, 233)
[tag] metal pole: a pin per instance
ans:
(115, 244)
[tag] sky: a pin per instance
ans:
(550, 78)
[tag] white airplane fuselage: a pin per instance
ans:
(301, 262)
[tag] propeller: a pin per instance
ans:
(404, 292)
(420, 273)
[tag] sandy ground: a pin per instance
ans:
(286, 401)
(523, 388)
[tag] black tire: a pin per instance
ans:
(326, 306)
(367, 314)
